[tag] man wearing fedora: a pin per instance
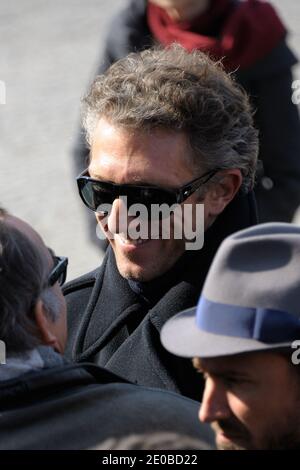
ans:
(244, 338)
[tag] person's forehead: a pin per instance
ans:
(240, 363)
(158, 156)
(110, 132)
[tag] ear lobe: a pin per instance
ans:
(222, 193)
(44, 326)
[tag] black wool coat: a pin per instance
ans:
(79, 406)
(115, 327)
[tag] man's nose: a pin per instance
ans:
(117, 220)
(214, 406)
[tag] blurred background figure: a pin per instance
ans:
(49, 53)
(250, 39)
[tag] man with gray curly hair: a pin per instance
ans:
(164, 127)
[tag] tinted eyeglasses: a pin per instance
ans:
(59, 271)
(95, 193)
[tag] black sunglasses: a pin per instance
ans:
(59, 271)
(95, 193)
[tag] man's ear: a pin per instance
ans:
(44, 326)
(221, 193)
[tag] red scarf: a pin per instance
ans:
(250, 30)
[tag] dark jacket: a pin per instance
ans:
(269, 84)
(113, 325)
(79, 406)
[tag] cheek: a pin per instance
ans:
(242, 409)
(63, 310)
(60, 326)
(63, 329)
(253, 413)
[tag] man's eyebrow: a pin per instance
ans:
(228, 373)
(136, 183)
(219, 373)
(99, 178)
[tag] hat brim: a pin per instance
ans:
(181, 336)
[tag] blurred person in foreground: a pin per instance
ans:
(166, 127)
(47, 402)
(250, 39)
(244, 336)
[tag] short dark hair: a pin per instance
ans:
(176, 90)
(23, 275)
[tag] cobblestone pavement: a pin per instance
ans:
(48, 53)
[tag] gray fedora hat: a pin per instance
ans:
(250, 300)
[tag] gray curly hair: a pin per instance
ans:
(181, 91)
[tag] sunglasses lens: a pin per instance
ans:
(154, 200)
(95, 194)
(150, 197)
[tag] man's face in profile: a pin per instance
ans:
(251, 401)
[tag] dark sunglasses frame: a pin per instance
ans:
(177, 196)
(59, 271)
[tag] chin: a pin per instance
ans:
(224, 443)
(146, 265)
(136, 273)
(230, 447)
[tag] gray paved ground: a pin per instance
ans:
(48, 52)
